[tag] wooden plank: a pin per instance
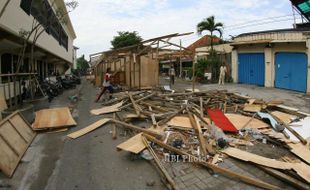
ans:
(88, 129)
(107, 109)
(302, 169)
(202, 140)
(15, 137)
(183, 121)
(53, 118)
(286, 178)
(134, 144)
(300, 150)
(252, 108)
(284, 117)
(239, 121)
(135, 106)
(160, 166)
(215, 168)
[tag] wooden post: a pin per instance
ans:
(157, 60)
(201, 107)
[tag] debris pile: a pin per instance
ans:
(206, 127)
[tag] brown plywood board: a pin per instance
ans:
(53, 118)
(88, 129)
(239, 121)
(284, 117)
(252, 108)
(183, 121)
(107, 109)
(134, 144)
(15, 137)
(300, 150)
(302, 169)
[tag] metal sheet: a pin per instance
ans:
(251, 68)
(291, 71)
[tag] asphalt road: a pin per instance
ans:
(90, 162)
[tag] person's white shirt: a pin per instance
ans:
(106, 80)
(223, 70)
(172, 72)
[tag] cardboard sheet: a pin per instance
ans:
(53, 118)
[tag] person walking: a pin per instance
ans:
(223, 71)
(106, 85)
(172, 75)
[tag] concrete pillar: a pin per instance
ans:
(268, 67)
(234, 65)
(308, 54)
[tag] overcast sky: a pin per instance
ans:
(97, 21)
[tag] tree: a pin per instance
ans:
(210, 25)
(82, 64)
(124, 39)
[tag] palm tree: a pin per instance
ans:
(210, 25)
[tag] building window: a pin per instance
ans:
(26, 5)
(48, 19)
(6, 65)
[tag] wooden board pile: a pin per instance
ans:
(206, 127)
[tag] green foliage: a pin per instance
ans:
(82, 64)
(211, 65)
(209, 24)
(124, 39)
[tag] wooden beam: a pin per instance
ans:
(226, 172)
(159, 165)
(136, 128)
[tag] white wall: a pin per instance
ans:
(14, 19)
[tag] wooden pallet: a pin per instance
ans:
(15, 137)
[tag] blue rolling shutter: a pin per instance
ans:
(291, 71)
(251, 68)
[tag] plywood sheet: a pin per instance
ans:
(302, 169)
(284, 117)
(134, 144)
(239, 121)
(252, 108)
(88, 129)
(15, 137)
(183, 121)
(107, 109)
(300, 150)
(53, 118)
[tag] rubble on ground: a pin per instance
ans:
(205, 128)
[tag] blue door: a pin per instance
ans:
(251, 68)
(291, 71)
